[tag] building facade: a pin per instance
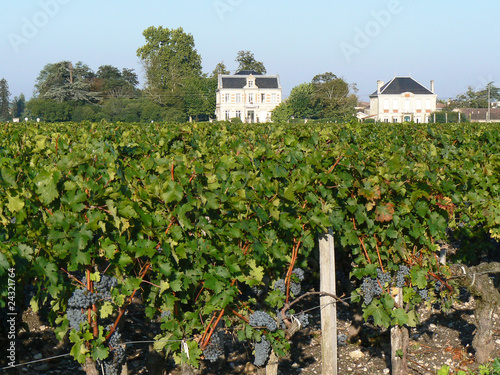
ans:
(402, 99)
(247, 95)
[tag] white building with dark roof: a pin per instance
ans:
(402, 99)
(247, 95)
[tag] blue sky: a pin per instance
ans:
(456, 43)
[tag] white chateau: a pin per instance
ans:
(247, 95)
(402, 99)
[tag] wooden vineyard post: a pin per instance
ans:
(399, 343)
(272, 364)
(328, 304)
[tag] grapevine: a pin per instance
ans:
(193, 215)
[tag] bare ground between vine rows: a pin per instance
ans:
(440, 339)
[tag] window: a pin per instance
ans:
(428, 104)
(394, 119)
(273, 98)
(250, 98)
(238, 114)
(228, 115)
(227, 98)
(238, 98)
(386, 120)
(386, 104)
(250, 83)
(395, 104)
(262, 98)
(419, 104)
(407, 106)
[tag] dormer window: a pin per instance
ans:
(250, 83)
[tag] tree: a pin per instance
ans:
(129, 76)
(192, 91)
(50, 110)
(335, 96)
(169, 58)
(18, 106)
(475, 99)
(246, 61)
(112, 83)
(302, 101)
(4, 100)
(282, 113)
(64, 82)
(220, 68)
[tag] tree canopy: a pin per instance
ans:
(64, 81)
(220, 68)
(169, 58)
(115, 84)
(335, 96)
(4, 100)
(476, 98)
(326, 96)
(247, 61)
(302, 101)
(18, 106)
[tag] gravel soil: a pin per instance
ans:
(439, 339)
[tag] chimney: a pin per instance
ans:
(432, 86)
(379, 86)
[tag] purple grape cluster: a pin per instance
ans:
(104, 286)
(295, 289)
(400, 276)
(113, 364)
(82, 299)
(280, 285)
(424, 294)
(75, 317)
(214, 348)
(262, 351)
(383, 277)
(303, 319)
(299, 272)
(262, 319)
(370, 288)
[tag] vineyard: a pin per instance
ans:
(215, 227)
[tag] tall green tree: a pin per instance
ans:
(4, 100)
(170, 59)
(302, 101)
(113, 83)
(220, 68)
(247, 61)
(64, 81)
(282, 113)
(334, 95)
(18, 106)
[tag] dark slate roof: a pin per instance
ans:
(237, 82)
(399, 85)
(247, 73)
(233, 82)
(267, 83)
